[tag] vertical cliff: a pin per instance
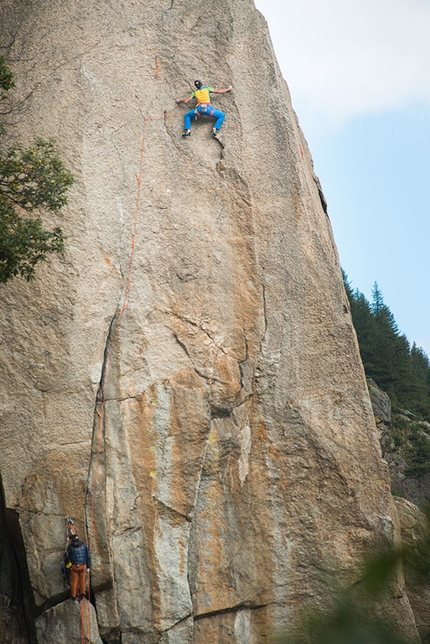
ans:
(185, 382)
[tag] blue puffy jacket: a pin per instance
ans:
(78, 554)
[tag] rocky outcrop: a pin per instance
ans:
(405, 442)
(65, 623)
(381, 405)
(414, 531)
(186, 381)
(16, 604)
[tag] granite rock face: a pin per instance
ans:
(414, 528)
(403, 437)
(201, 411)
(64, 622)
(381, 405)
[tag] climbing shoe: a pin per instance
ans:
(215, 133)
(186, 133)
(75, 599)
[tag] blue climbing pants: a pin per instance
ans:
(204, 110)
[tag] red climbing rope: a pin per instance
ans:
(101, 412)
(70, 527)
(81, 608)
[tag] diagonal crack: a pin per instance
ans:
(231, 609)
(108, 353)
(210, 379)
(172, 2)
(265, 316)
(198, 327)
(174, 510)
(180, 621)
(195, 504)
(170, 133)
(59, 598)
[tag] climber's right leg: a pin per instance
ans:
(187, 122)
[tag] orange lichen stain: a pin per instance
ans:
(187, 378)
(181, 547)
(142, 437)
(214, 569)
(273, 452)
(110, 264)
(259, 430)
(233, 474)
(229, 374)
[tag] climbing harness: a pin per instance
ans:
(70, 532)
(65, 567)
(204, 109)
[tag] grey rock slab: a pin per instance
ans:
(63, 624)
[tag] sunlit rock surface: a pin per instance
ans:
(201, 412)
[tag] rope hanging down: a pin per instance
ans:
(70, 532)
(101, 412)
(70, 527)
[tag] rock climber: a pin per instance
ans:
(78, 556)
(203, 107)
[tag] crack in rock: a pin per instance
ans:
(199, 327)
(231, 609)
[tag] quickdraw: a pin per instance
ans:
(65, 567)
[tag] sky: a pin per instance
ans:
(359, 77)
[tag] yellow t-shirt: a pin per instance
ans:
(202, 95)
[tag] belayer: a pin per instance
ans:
(203, 107)
(78, 559)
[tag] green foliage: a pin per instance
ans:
(418, 454)
(355, 613)
(34, 178)
(397, 493)
(399, 369)
(409, 439)
(6, 79)
(32, 181)
(343, 625)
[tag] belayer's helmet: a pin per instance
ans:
(198, 84)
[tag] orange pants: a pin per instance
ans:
(78, 576)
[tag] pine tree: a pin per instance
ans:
(420, 368)
(399, 369)
(391, 363)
